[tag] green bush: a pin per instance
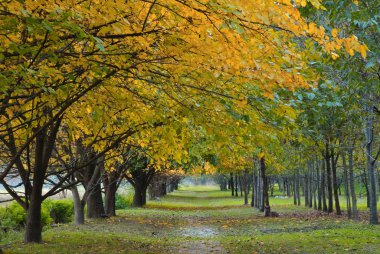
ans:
(14, 216)
(61, 211)
(123, 201)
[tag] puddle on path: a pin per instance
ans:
(205, 245)
(199, 231)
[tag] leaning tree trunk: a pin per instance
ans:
(44, 145)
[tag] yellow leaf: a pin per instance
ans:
(334, 55)
(334, 33)
(363, 50)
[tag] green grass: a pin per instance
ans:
(203, 219)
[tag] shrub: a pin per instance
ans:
(124, 200)
(61, 211)
(14, 216)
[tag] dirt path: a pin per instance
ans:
(204, 231)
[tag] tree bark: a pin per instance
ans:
(352, 183)
(232, 184)
(245, 184)
(329, 180)
(110, 194)
(33, 229)
(78, 207)
(334, 160)
(371, 161)
(346, 185)
(265, 201)
(323, 186)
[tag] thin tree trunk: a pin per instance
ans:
(236, 185)
(319, 189)
(373, 218)
(346, 185)
(335, 182)
(323, 186)
(329, 180)
(245, 183)
(253, 187)
(352, 184)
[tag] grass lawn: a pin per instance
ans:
(203, 219)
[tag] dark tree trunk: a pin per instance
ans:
(140, 181)
(265, 201)
(241, 185)
(329, 180)
(139, 199)
(334, 160)
(298, 189)
(319, 186)
(33, 229)
(245, 184)
(294, 190)
(236, 185)
(45, 141)
(371, 161)
(95, 208)
(232, 184)
(110, 193)
(323, 186)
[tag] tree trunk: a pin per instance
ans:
(139, 199)
(323, 186)
(95, 208)
(236, 185)
(78, 207)
(329, 181)
(352, 184)
(319, 189)
(294, 189)
(232, 184)
(371, 161)
(110, 193)
(33, 228)
(253, 187)
(335, 182)
(245, 184)
(265, 201)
